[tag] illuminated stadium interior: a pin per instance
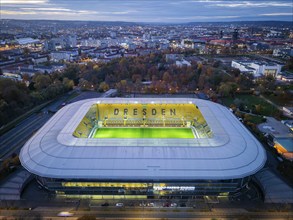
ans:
(143, 120)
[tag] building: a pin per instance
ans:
(40, 59)
(172, 57)
(27, 41)
(90, 42)
(13, 76)
(285, 76)
(279, 135)
(284, 146)
(288, 110)
(187, 43)
(68, 55)
(283, 52)
(257, 69)
(218, 158)
(182, 63)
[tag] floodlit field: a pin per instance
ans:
(143, 133)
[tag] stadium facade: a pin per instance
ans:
(219, 159)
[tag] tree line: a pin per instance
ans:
(16, 97)
(143, 74)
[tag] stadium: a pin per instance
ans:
(141, 148)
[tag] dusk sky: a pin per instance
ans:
(178, 11)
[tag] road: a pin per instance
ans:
(159, 213)
(13, 140)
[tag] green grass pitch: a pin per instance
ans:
(143, 133)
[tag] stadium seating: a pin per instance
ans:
(142, 115)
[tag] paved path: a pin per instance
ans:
(275, 190)
(12, 187)
(275, 105)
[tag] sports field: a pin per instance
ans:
(143, 133)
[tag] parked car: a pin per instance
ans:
(174, 204)
(105, 204)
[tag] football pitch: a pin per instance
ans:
(143, 133)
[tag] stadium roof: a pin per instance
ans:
(232, 152)
(28, 40)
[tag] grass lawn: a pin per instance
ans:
(256, 119)
(281, 101)
(144, 133)
(250, 101)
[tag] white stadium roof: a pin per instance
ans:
(27, 40)
(232, 152)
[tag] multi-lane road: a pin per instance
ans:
(13, 140)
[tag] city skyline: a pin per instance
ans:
(179, 11)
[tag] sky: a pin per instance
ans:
(167, 11)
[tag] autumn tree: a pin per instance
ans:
(41, 81)
(103, 87)
(227, 89)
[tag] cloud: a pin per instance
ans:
(249, 4)
(49, 11)
(8, 12)
(23, 2)
(40, 11)
(147, 10)
(119, 12)
(46, 9)
(194, 1)
(276, 14)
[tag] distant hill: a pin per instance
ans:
(249, 23)
(123, 23)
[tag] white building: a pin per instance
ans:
(64, 55)
(257, 69)
(90, 42)
(182, 63)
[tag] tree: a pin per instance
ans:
(136, 78)
(258, 109)
(71, 72)
(210, 71)
(103, 87)
(166, 77)
(227, 89)
(26, 51)
(85, 85)
(245, 81)
(247, 117)
(288, 65)
(41, 81)
(26, 77)
(122, 85)
(201, 81)
(68, 84)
